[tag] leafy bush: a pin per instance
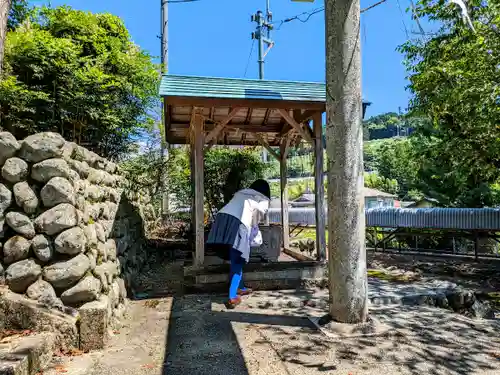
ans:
(78, 74)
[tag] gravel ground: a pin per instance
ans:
(196, 335)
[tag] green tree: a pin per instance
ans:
(375, 181)
(386, 125)
(79, 74)
(227, 170)
(19, 11)
(454, 78)
(396, 159)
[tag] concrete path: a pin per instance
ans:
(196, 335)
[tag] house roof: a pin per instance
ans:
(309, 198)
(374, 193)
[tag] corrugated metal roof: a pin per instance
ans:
(438, 218)
(435, 218)
(238, 88)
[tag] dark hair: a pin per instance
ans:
(262, 186)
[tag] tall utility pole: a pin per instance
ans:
(263, 35)
(164, 36)
(164, 69)
(344, 146)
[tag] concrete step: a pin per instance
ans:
(26, 355)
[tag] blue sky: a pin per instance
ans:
(212, 37)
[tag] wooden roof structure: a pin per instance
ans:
(241, 111)
(205, 111)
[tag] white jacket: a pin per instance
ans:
(248, 205)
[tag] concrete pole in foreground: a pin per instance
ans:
(344, 146)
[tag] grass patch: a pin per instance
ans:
(394, 278)
(152, 303)
(309, 233)
(494, 299)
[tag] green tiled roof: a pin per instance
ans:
(237, 88)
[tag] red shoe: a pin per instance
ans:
(233, 302)
(244, 292)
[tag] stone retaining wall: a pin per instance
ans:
(68, 234)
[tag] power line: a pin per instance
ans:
(316, 11)
(403, 20)
(249, 57)
(297, 17)
(181, 1)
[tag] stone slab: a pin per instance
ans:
(19, 312)
(27, 355)
(94, 321)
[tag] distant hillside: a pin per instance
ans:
(386, 125)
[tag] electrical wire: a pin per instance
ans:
(249, 57)
(403, 20)
(180, 1)
(316, 11)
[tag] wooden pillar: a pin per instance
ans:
(319, 188)
(197, 142)
(284, 192)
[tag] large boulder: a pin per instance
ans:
(67, 273)
(91, 235)
(15, 170)
(22, 274)
(71, 241)
(101, 236)
(5, 198)
(42, 247)
(39, 289)
(50, 168)
(57, 219)
(106, 273)
(88, 289)
(25, 197)
(111, 249)
(2, 275)
(8, 146)
(114, 294)
(81, 167)
(2, 229)
(58, 190)
(16, 248)
(21, 224)
(123, 289)
(41, 146)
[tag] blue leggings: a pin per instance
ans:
(236, 273)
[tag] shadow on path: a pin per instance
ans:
(200, 342)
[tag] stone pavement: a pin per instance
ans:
(196, 335)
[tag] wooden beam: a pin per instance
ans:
(218, 128)
(319, 188)
(265, 144)
(247, 103)
(284, 192)
(253, 128)
(197, 143)
(166, 118)
(249, 115)
(307, 115)
(290, 120)
(266, 116)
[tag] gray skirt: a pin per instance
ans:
(228, 233)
